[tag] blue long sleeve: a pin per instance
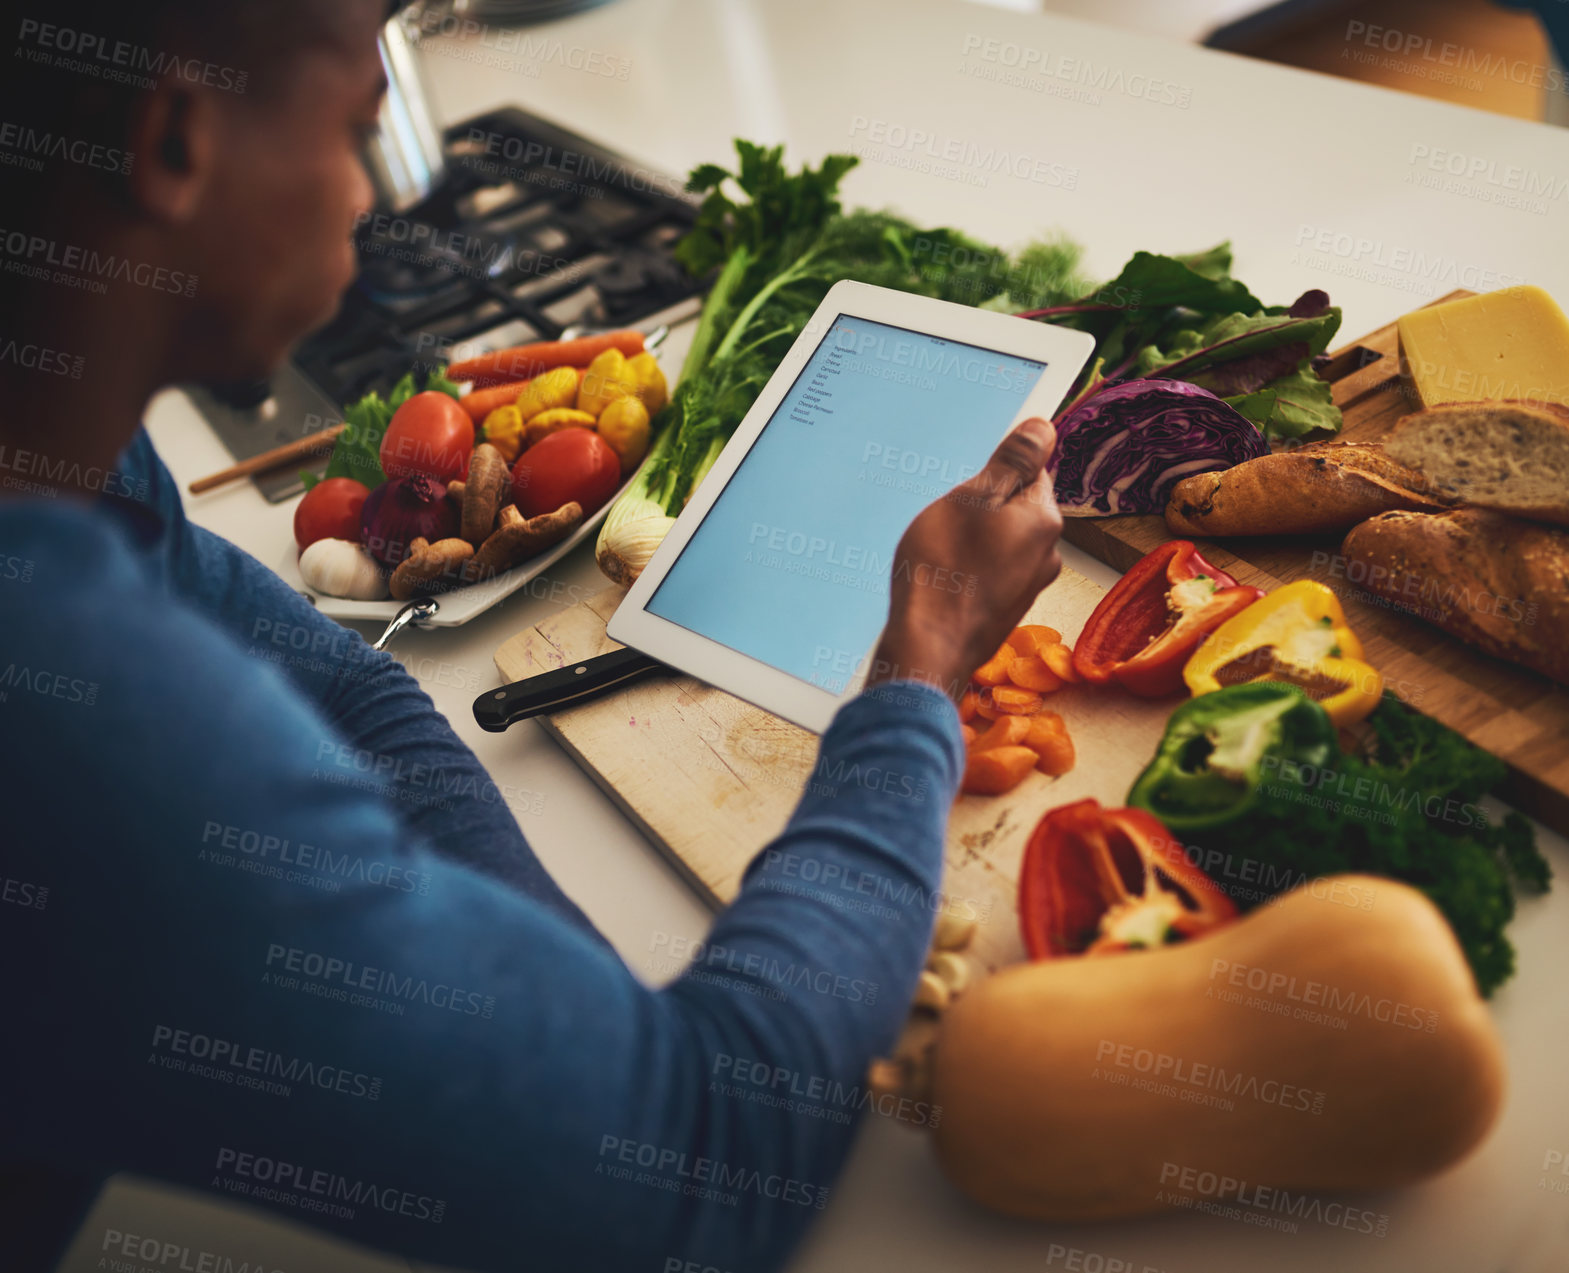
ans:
(393, 739)
(247, 975)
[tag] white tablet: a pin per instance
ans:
(773, 583)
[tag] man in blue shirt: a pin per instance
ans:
(232, 966)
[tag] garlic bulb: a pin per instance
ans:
(342, 568)
(624, 550)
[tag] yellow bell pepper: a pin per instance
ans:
(1297, 633)
(503, 429)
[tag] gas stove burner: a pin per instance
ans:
(502, 253)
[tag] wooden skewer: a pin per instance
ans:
(305, 448)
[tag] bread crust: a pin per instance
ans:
(1495, 582)
(1311, 490)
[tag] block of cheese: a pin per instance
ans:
(1512, 343)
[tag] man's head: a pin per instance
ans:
(244, 120)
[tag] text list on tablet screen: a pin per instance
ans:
(792, 564)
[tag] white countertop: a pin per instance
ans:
(1317, 183)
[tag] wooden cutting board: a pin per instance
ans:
(1519, 716)
(711, 779)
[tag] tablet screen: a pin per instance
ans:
(791, 566)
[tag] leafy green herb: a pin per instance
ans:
(780, 242)
(357, 451)
(1406, 806)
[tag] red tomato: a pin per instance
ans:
(429, 434)
(574, 464)
(330, 510)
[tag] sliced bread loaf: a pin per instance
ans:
(1509, 456)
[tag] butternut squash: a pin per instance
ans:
(1333, 1040)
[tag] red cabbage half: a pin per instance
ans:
(1122, 449)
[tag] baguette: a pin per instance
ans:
(1311, 490)
(1509, 456)
(1499, 584)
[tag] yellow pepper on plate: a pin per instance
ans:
(1298, 633)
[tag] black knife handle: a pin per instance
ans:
(565, 687)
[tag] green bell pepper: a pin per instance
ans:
(1220, 748)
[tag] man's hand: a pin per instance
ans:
(969, 566)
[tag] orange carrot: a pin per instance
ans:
(1028, 638)
(995, 670)
(968, 702)
(1005, 731)
(481, 402)
(1013, 701)
(1048, 738)
(1031, 673)
(996, 770)
(1059, 658)
(526, 361)
(969, 734)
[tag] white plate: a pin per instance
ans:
(461, 604)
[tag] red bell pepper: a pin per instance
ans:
(1149, 624)
(1100, 880)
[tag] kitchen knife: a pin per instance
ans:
(565, 687)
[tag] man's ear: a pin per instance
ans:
(172, 137)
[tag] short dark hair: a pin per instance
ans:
(77, 66)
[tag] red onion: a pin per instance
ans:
(398, 512)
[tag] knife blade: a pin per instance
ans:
(567, 686)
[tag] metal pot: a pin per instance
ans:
(404, 157)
